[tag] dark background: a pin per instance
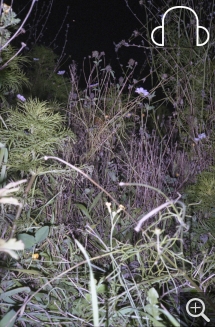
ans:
(78, 27)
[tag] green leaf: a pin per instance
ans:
(148, 107)
(126, 311)
(27, 239)
(152, 296)
(27, 271)
(42, 234)
(155, 322)
(153, 310)
(84, 210)
(92, 285)
(9, 319)
(95, 201)
(173, 321)
(112, 175)
(101, 288)
(15, 291)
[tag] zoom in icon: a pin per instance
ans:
(197, 304)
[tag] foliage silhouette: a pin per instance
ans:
(46, 84)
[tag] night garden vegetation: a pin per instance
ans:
(100, 235)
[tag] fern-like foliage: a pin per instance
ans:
(202, 230)
(200, 199)
(12, 77)
(202, 196)
(203, 190)
(33, 130)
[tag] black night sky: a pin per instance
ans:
(93, 25)
(78, 27)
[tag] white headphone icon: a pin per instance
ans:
(197, 27)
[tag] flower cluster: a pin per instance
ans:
(142, 91)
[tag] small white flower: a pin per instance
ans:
(200, 137)
(142, 91)
(61, 72)
(36, 59)
(21, 97)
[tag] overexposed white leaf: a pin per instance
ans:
(10, 245)
(10, 201)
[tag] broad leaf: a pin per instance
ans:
(42, 234)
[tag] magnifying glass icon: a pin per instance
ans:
(195, 306)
